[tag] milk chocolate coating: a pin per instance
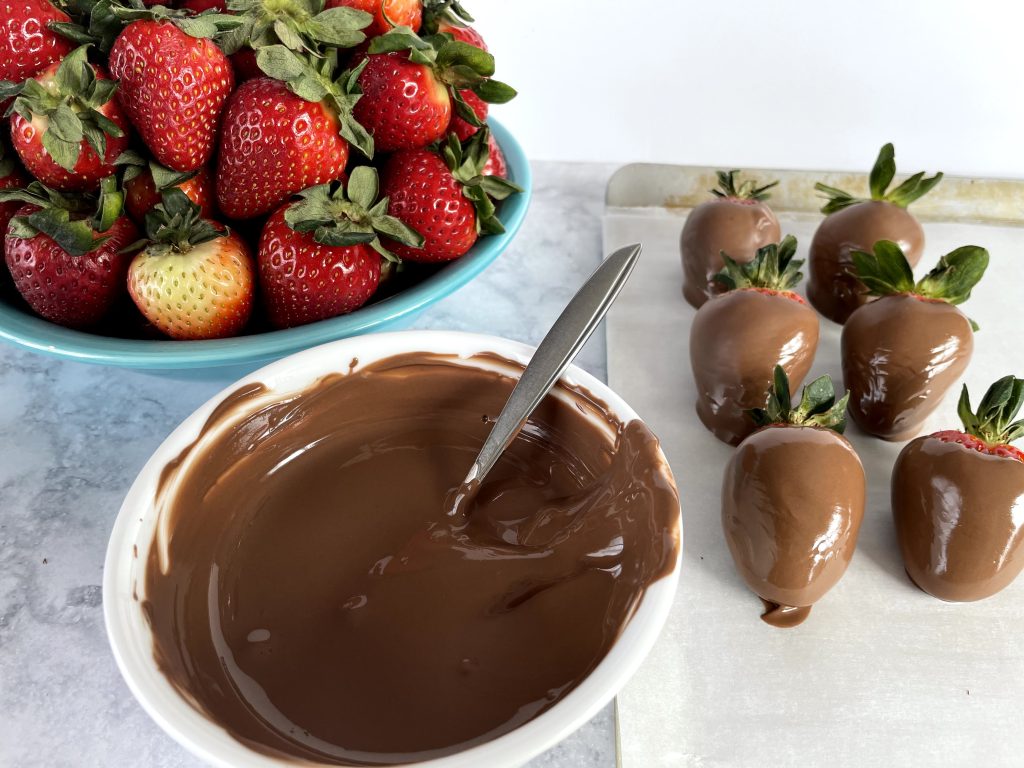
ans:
(314, 599)
(738, 227)
(900, 354)
(792, 504)
(736, 340)
(831, 285)
(959, 518)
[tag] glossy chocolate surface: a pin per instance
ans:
(738, 227)
(959, 518)
(831, 287)
(792, 504)
(736, 340)
(900, 355)
(309, 593)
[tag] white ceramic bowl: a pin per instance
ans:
(131, 639)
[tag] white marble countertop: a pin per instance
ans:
(73, 437)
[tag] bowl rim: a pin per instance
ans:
(123, 614)
(23, 329)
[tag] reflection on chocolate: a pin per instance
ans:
(900, 355)
(959, 518)
(736, 340)
(792, 503)
(309, 593)
(738, 227)
(831, 287)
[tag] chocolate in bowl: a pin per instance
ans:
(308, 594)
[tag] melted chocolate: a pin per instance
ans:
(832, 287)
(900, 354)
(738, 227)
(959, 518)
(792, 504)
(309, 593)
(736, 341)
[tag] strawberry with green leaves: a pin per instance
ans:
(387, 14)
(27, 43)
(145, 181)
(321, 256)
(174, 81)
(445, 196)
(448, 17)
(412, 86)
(193, 278)
(65, 252)
(66, 125)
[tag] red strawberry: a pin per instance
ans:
(65, 263)
(956, 500)
(444, 198)
(65, 119)
(386, 13)
(142, 190)
(465, 34)
(496, 164)
(411, 86)
(441, 17)
(274, 144)
(173, 85)
(27, 44)
(464, 129)
(194, 280)
(315, 258)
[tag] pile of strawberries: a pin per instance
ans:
(203, 170)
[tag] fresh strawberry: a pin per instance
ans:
(11, 177)
(462, 128)
(194, 279)
(67, 262)
(174, 83)
(27, 44)
(496, 164)
(450, 18)
(321, 256)
(956, 499)
(144, 183)
(739, 337)
(444, 197)
(412, 85)
(65, 119)
(387, 14)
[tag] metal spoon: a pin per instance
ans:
(560, 346)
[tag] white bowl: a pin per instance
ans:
(132, 641)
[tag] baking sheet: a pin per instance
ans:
(880, 673)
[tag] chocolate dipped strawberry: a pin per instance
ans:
(902, 352)
(856, 224)
(957, 498)
(739, 337)
(737, 222)
(792, 533)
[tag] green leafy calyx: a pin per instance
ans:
(303, 26)
(74, 221)
(818, 406)
(340, 216)
(881, 176)
(438, 13)
(994, 420)
(747, 190)
(163, 178)
(176, 225)
(772, 268)
(886, 271)
(466, 163)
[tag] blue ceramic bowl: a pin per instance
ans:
(20, 327)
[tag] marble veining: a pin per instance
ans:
(73, 437)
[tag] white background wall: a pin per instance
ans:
(817, 84)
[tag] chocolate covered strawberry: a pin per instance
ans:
(193, 278)
(67, 126)
(903, 351)
(737, 221)
(793, 501)
(739, 337)
(412, 86)
(65, 252)
(174, 81)
(146, 181)
(445, 197)
(321, 255)
(27, 43)
(387, 14)
(956, 500)
(856, 224)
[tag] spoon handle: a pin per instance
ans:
(562, 343)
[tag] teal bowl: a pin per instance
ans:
(18, 326)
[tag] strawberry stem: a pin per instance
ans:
(886, 271)
(772, 268)
(818, 406)
(176, 224)
(466, 163)
(994, 422)
(748, 190)
(881, 176)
